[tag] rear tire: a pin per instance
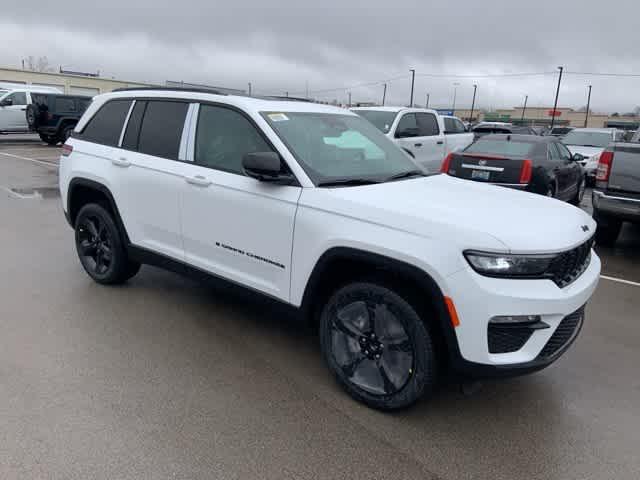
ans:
(100, 247)
(49, 139)
(377, 347)
(66, 133)
(608, 229)
(577, 199)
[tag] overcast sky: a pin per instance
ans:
(334, 44)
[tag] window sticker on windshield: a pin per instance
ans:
(278, 117)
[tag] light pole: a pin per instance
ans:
(455, 91)
(349, 99)
(427, 104)
(384, 94)
(555, 104)
(526, 97)
(586, 116)
(473, 102)
(413, 79)
(249, 88)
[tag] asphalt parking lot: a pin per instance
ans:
(167, 378)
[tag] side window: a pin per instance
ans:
(106, 125)
(449, 126)
(428, 124)
(161, 128)
(132, 134)
(65, 105)
(564, 152)
(223, 137)
(407, 126)
(459, 126)
(554, 153)
(18, 98)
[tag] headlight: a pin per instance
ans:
(505, 265)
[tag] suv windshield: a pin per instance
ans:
(587, 139)
(344, 149)
(380, 118)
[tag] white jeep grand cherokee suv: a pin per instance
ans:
(313, 206)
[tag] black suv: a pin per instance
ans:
(54, 116)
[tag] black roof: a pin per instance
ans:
(514, 137)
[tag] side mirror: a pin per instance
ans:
(7, 102)
(266, 167)
(577, 157)
(407, 133)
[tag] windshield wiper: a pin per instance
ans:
(347, 182)
(409, 174)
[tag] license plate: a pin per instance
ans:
(479, 175)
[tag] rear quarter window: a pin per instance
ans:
(65, 105)
(106, 125)
(501, 148)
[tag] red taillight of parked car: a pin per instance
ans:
(66, 150)
(604, 166)
(526, 172)
(445, 164)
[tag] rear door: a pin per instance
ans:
(147, 175)
(561, 170)
(407, 136)
(13, 114)
(457, 138)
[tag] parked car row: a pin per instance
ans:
(43, 110)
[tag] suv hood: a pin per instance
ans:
(584, 151)
(470, 214)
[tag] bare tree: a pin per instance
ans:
(40, 64)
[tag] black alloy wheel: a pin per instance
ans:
(100, 247)
(377, 346)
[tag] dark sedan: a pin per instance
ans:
(527, 162)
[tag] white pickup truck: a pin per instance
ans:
(427, 135)
(13, 107)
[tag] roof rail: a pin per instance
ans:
(170, 89)
(290, 99)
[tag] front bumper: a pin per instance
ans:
(478, 299)
(625, 208)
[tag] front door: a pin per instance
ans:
(235, 226)
(13, 112)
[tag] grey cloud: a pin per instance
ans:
(281, 46)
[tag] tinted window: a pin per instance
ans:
(449, 126)
(459, 126)
(106, 125)
(554, 153)
(563, 151)
(65, 105)
(130, 140)
(223, 137)
(161, 129)
(18, 98)
(407, 126)
(380, 118)
(428, 124)
(501, 148)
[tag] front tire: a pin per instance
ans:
(377, 347)
(100, 248)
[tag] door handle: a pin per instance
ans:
(121, 162)
(198, 181)
(440, 142)
(417, 144)
(24, 109)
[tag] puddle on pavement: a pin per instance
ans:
(36, 192)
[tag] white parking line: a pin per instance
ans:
(49, 164)
(620, 280)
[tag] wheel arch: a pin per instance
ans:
(82, 191)
(339, 265)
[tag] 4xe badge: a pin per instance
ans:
(585, 228)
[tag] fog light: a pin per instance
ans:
(515, 319)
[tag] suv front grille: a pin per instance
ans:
(568, 266)
(565, 333)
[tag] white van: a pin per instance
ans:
(13, 107)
